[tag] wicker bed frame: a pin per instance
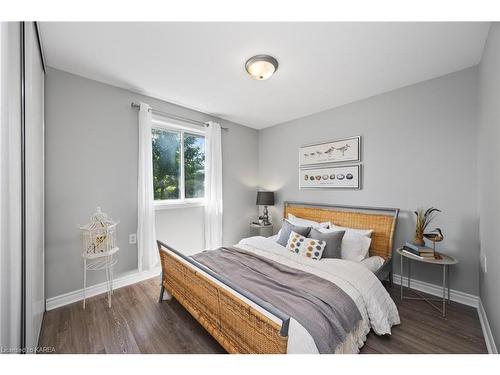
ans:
(232, 315)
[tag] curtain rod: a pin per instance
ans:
(175, 117)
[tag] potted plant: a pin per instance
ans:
(424, 217)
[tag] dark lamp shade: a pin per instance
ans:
(265, 198)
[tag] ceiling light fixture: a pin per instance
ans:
(261, 67)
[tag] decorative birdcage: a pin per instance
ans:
(99, 235)
(99, 246)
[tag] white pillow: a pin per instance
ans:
(373, 263)
(306, 223)
(363, 232)
(354, 246)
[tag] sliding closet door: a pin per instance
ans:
(22, 279)
(34, 175)
(10, 186)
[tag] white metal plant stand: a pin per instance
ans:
(99, 247)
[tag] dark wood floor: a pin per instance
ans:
(137, 323)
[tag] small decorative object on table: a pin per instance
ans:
(424, 217)
(99, 246)
(265, 198)
(434, 236)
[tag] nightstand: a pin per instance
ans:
(261, 230)
(445, 262)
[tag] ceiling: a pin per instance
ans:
(321, 65)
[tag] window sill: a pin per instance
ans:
(175, 205)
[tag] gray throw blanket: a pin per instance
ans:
(320, 306)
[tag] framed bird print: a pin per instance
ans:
(338, 151)
(333, 177)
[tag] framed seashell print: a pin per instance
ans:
(337, 151)
(333, 177)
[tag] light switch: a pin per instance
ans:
(132, 239)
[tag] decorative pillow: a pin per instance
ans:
(363, 232)
(307, 223)
(354, 245)
(333, 242)
(308, 247)
(287, 228)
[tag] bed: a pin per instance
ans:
(243, 322)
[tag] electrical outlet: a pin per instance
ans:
(132, 238)
(484, 263)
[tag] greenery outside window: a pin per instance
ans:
(178, 165)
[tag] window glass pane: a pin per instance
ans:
(194, 165)
(166, 164)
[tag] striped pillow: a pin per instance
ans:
(307, 247)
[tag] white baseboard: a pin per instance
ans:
(77, 295)
(436, 290)
(488, 336)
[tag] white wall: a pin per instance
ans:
(91, 159)
(489, 177)
(419, 149)
(187, 240)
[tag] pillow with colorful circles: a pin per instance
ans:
(307, 247)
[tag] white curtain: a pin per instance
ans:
(148, 256)
(213, 186)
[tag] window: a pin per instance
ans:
(178, 166)
(194, 166)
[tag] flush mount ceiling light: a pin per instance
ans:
(261, 67)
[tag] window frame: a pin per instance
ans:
(182, 202)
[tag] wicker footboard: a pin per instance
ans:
(232, 321)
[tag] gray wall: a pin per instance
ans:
(419, 149)
(489, 176)
(91, 159)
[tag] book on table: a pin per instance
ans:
(436, 256)
(410, 250)
(406, 251)
(432, 256)
(422, 252)
(420, 249)
(426, 252)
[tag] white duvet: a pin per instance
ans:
(377, 309)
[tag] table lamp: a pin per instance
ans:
(265, 198)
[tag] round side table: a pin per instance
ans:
(261, 230)
(445, 262)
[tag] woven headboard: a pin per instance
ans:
(381, 220)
